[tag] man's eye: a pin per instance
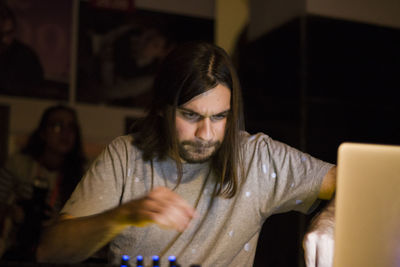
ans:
(190, 115)
(219, 117)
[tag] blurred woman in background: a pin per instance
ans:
(36, 182)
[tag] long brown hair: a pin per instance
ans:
(190, 70)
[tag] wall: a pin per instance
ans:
(382, 12)
(231, 18)
(267, 15)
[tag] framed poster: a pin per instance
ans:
(119, 51)
(35, 58)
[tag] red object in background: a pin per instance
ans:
(121, 5)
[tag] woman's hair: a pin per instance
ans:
(190, 70)
(74, 162)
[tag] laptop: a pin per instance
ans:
(367, 230)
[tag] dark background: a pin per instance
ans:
(314, 83)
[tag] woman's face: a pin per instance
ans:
(60, 133)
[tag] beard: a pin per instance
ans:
(197, 151)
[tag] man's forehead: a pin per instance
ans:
(211, 102)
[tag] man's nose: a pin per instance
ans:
(204, 130)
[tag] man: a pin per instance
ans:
(190, 182)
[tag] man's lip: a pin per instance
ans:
(199, 147)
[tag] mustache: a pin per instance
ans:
(200, 144)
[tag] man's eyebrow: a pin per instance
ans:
(187, 110)
(222, 112)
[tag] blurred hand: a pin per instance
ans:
(161, 206)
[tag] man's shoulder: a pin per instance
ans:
(262, 144)
(248, 139)
(126, 139)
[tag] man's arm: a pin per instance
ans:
(319, 241)
(75, 239)
(328, 186)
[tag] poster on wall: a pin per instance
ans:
(35, 48)
(119, 50)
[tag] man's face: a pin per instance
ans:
(201, 122)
